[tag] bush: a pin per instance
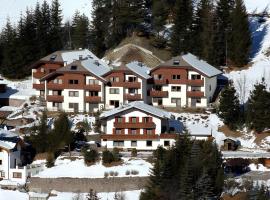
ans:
(50, 160)
(116, 155)
(134, 152)
(111, 173)
(127, 172)
(134, 172)
(107, 157)
(90, 156)
(116, 173)
(106, 174)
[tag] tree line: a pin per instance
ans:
(218, 33)
(255, 113)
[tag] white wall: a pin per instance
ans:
(68, 99)
(117, 97)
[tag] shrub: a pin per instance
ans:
(127, 172)
(111, 173)
(116, 173)
(106, 174)
(116, 155)
(107, 157)
(50, 160)
(91, 156)
(134, 172)
(134, 152)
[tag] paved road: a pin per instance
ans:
(245, 154)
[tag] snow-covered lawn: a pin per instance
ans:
(16, 195)
(259, 167)
(77, 169)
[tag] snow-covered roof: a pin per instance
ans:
(96, 67)
(8, 140)
(140, 106)
(201, 65)
(140, 69)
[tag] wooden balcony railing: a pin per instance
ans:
(161, 81)
(55, 98)
(156, 93)
(93, 99)
(39, 86)
(54, 86)
(38, 75)
(96, 88)
(138, 137)
(132, 84)
(135, 125)
(197, 82)
(132, 97)
(195, 94)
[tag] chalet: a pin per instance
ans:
(11, 159)
(77, 87)
(127, 83)
(137, 125)
(183, 81)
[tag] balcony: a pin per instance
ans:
(139, 125)
(136, 85)
(38, 75)
(157, 93)
(39, 86)
(55, 98)
(54, 86)
(197, 82)
(96, 88)
(138, 137)
(132, 97)
(93, 99)
(161, 81)
(195, 94)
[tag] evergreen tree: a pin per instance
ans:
(92, 195)
(56, 26)
(258, 108)
(240, 41)
(159, 16)
(229, 107)
(181, 35)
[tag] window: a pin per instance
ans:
(114, 103)
(73, 93)
(42, 70)
(194, 88)
(132, 91)
(132, 79)
(0, 162)
(73, 105)
(176, 62)
(148, 143)
(118, 143)
(56, 105)
(73, 82)
(57, 81)
(118, 131)
(158, 76)
(134, 143)
(73, 67)
(147, 119)
(42, 93)
(2, 174)
(93, 82)
(133, 131)
(176, 77)
(53, 57)
(114, 79)
(17, 175)
(119, 119)
(57, 92)
(93, 93)
(149, 131)
(176, 88)
(166, 143)
(177, 101)
(114, 91)
(133, 120)
(195, 77)
(198, 100)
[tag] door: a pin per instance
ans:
(76, 107)
(116, 104)
(193, 102)
(178, 102)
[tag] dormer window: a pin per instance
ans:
(73, 67)
(80, 57)
(176, 62)
(53, 57)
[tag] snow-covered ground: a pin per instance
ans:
(16, 195)
(13, 8)
(68, 168)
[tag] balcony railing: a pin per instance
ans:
(157, 93)
(39, 86)
(55, 98)
(93, 99)
(161, 81)
(134, 125)
(54, 86)
(132, 97)
(195, 94)
(132, 84)
(38, 75)
(197, 82)
(96, 88)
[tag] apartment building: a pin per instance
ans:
(137, 125)
(183, 81)
(127, 83)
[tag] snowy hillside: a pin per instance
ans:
(13, 8)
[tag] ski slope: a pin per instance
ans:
(14, 8)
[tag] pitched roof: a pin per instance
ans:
(140, 106)
(189, 60)
(140, 69)
(8, 140)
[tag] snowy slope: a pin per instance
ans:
(13, 8)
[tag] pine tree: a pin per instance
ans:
(56, 27)
(240, 36)
(92, 195)
(229, 107)
(159, 16)
(258, 108)
(181, 35)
